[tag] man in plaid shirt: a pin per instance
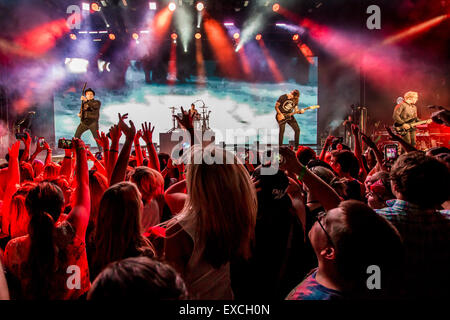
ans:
(421, 184)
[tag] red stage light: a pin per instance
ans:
(95, 6)
(135, 36)
(112, 36)
(295, 37)
(276, 7)
(174, 36)
(73, 36)
(258, 37)
(172, 6)
(198, 36)
(236, 35)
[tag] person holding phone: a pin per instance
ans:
(89, 115)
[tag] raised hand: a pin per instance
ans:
(186, 121)
(78, 145)
(14, 150)
(366, 139)
(46, 146)
(289, 160)
(26, 139)
(329, 140)
(355, 129)
(128, 131)
(147, 132)
(115, 133)
(102, 140)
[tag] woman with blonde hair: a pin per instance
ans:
(117, 233)
(216, 224)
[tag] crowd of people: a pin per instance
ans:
(344, 224)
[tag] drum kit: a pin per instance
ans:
(200, 121)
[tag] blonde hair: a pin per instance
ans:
(410, 94)
(221, 207)
(149, 182)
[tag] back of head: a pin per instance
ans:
(366, 239)
(149, 182)
(118, 236)
(323, 173)
(26, 172)
(348, 162)
(421, 179)
(305, 154)
(44, 204)
(51, 171)
(221, 204)
(138, 278)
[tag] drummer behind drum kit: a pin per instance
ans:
(201, 121)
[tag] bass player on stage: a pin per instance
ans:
(286, 105)
(405, 113)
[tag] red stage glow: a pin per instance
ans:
(198, 36)
(42, 38)
(95, 6)
(295, 37)
(112, 36)
(173, 64)
(307, 53)
(201, 75)
(276, 7)
(271, 63)
(414, 30)
(222, 47)
(174, 36)
(236, 36)
(135, 36)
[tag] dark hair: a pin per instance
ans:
(421, 179)
(138, 278)
(348, 162)
(319, 163)
(26, 172)
(296, 93)
(437, 150)
(305, 154)
(365, 239)
(44, 204)
(89, 89)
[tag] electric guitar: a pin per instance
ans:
(81, 108)
(281, 119)
(402, 131)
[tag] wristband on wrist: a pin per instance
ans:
(302, 173)
(112, 150)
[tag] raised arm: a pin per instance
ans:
(120, 169)
(104, 143)
(373, 146)
(147, 135)
(358, 152)
(137, 149)
(114, 133)
(48, 158)
(36, 152)
(328, 142)
(405, 145)
(79, 216)
(100, 168)
(26, 151)
(66, 167)
(4, 293)
(13, 180)
(319, 189)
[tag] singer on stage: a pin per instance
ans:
(89, 115)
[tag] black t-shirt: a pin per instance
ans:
(286, 105)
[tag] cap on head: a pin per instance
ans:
(89, 89)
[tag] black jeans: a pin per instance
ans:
(294, 125)
(93, 127)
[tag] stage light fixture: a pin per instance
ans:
(174, 36)
(76, 65)
(73, 36)
(228, 24)
(95, 6)
(172, 6)
(135, 36)
(85, 6)
(258, 37)
(200, 6)
(112, 36)
(152, 5)
(295, 37)
(276, 7)
(198, 36)
(236, 35)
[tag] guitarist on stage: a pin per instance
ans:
(286, 104)
(405, 113)
(89, 115)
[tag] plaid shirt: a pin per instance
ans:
(426, 237)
